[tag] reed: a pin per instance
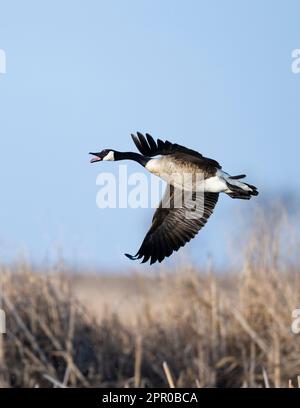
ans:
(176, 328)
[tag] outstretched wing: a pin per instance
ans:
(148, 147)
(173, 225)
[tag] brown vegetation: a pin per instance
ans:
(177, 328)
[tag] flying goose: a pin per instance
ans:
(175, 225)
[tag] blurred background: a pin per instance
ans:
(215, 76)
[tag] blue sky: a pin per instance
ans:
(81, 76)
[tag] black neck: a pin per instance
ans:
(131, 156)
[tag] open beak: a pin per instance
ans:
(97, 157)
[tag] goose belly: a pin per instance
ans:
(184, 176)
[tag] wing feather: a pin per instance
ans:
(148, 147)
(173, 227)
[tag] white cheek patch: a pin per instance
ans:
(110, 156)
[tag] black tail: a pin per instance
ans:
(240, 176)
(241, 196)
(239, 192)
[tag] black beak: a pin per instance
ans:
(97, 157)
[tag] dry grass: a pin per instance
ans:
(178, 328)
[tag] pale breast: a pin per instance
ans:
(177, 172)
(169, 165)
(155, 166)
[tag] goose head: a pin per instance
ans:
(106, 154)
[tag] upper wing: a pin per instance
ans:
(148, 147)
(173, 226)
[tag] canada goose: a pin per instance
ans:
(172, 227)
